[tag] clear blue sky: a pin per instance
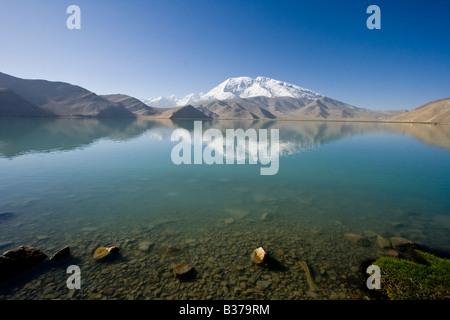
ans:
(152, 48)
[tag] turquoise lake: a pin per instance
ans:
(88, 183)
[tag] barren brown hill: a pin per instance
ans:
(13, 105)
(132, 104)
(435, 111)
(287, 108)
(186, 112)
(63, 99)
(235, 109)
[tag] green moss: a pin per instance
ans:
(428, 278)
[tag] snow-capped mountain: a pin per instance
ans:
(246, 87)
(162, 102)
(192, 98)
(235, 88)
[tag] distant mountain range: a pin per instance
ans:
(235, 98)
(236, 88)
(266, 98)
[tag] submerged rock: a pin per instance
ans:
(383, 242)
(17, 260)
(229, 220)
(64, 252)
(237, 213)
(4, 215)
(312, 285)
(171, 250)
(441, 221)
(266, 216)
(113, 250)
(184, 271)
(5, 244)
(369, 234)
(144, 246)
(400, 243)
(263, 284)
(102, 252)
(397, 224)
(357, 239)
(181, 268)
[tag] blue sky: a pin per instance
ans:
(152, 48)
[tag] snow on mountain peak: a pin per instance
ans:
(239, 87)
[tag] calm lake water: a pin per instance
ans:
(91, 183)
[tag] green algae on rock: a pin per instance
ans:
(426, 278)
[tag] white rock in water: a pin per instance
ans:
(258, 255)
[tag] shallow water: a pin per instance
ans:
(90, 183)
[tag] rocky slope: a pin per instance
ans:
(13, 105)
(434, 111)
(62, 98)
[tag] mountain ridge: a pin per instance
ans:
(286, 108)
(132, 104)
(295, 103)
